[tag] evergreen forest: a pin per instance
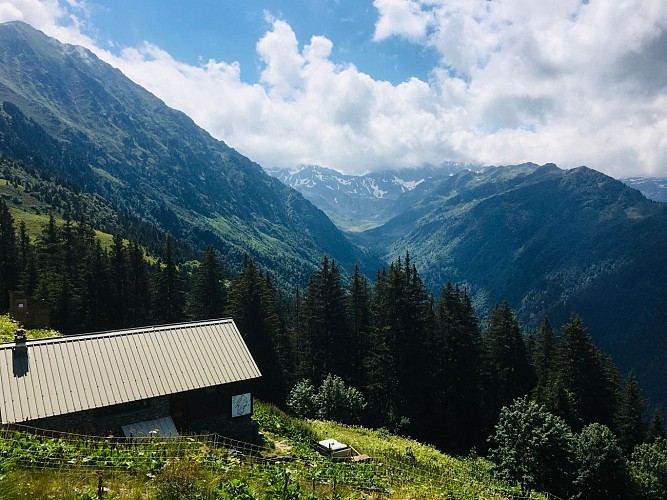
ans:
(419, 365)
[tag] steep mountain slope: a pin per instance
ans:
(654, 188)
(552, 242)
(66, 111)
(358, 202)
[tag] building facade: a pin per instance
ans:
(191, 377)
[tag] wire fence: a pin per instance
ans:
(105, 456)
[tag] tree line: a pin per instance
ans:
(427, 366)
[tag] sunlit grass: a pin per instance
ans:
(8, 327)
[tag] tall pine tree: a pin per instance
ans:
(542, 355)
(630, 415)
(9, 271)
(585, 379)
(208, 293)
(361, 322)
(324, 332)
(169, 301)
(507, 372)
(251, 305)
(454, 357)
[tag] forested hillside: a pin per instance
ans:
(427, 364)
(386, 354)
(67, 113)
(553, 242)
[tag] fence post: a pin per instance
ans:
(100, 486)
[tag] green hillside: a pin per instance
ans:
(553, 242)
(66, 112)
(33, 195)
(284, 467)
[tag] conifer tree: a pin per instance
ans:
(396, 362)
(380, 363)
(543, 350)
(656, 427)
(96, 280)
(65, 306)
(168, 306)
(49, 264)
(325, 335)
(361, 321)
(251, 304)
(629, 415)
(8, 256)
(454, 358)
(118, 274)
(27, 263)
(138, 283)
(277, 321)
(507, 372)
(586, 377)
(208, 294)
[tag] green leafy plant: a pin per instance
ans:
(532, 447)
(181, 479)
(333, 400)
(236, 489)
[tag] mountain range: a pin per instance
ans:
(66, 111)
(551, 241)
(358, 202)
(654, 188)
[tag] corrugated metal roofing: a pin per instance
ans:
(73, 373)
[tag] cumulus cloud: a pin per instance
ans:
(570, 82)
(400, 17)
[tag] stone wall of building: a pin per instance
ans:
(239, 428)
(108, 420)
(196, 412)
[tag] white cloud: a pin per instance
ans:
(569, 82)
(400, 17)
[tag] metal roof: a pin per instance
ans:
(67, 374)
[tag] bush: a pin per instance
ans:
(301, 400)
(235, 489)
(334, 400)
(649, 468)
(602, 471)
(339, 402)
(532, 447)
(283, 486)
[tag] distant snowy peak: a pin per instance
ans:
(387, 184)
(354, 201)
(654, 188)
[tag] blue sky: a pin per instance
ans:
(362, 85)
(229, 30)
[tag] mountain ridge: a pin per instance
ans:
(73, 114)
(554, 243)
(363, 201)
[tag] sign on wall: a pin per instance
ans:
(241, 404)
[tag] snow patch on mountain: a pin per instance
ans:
(409, 185)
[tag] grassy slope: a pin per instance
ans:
(400, 468)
